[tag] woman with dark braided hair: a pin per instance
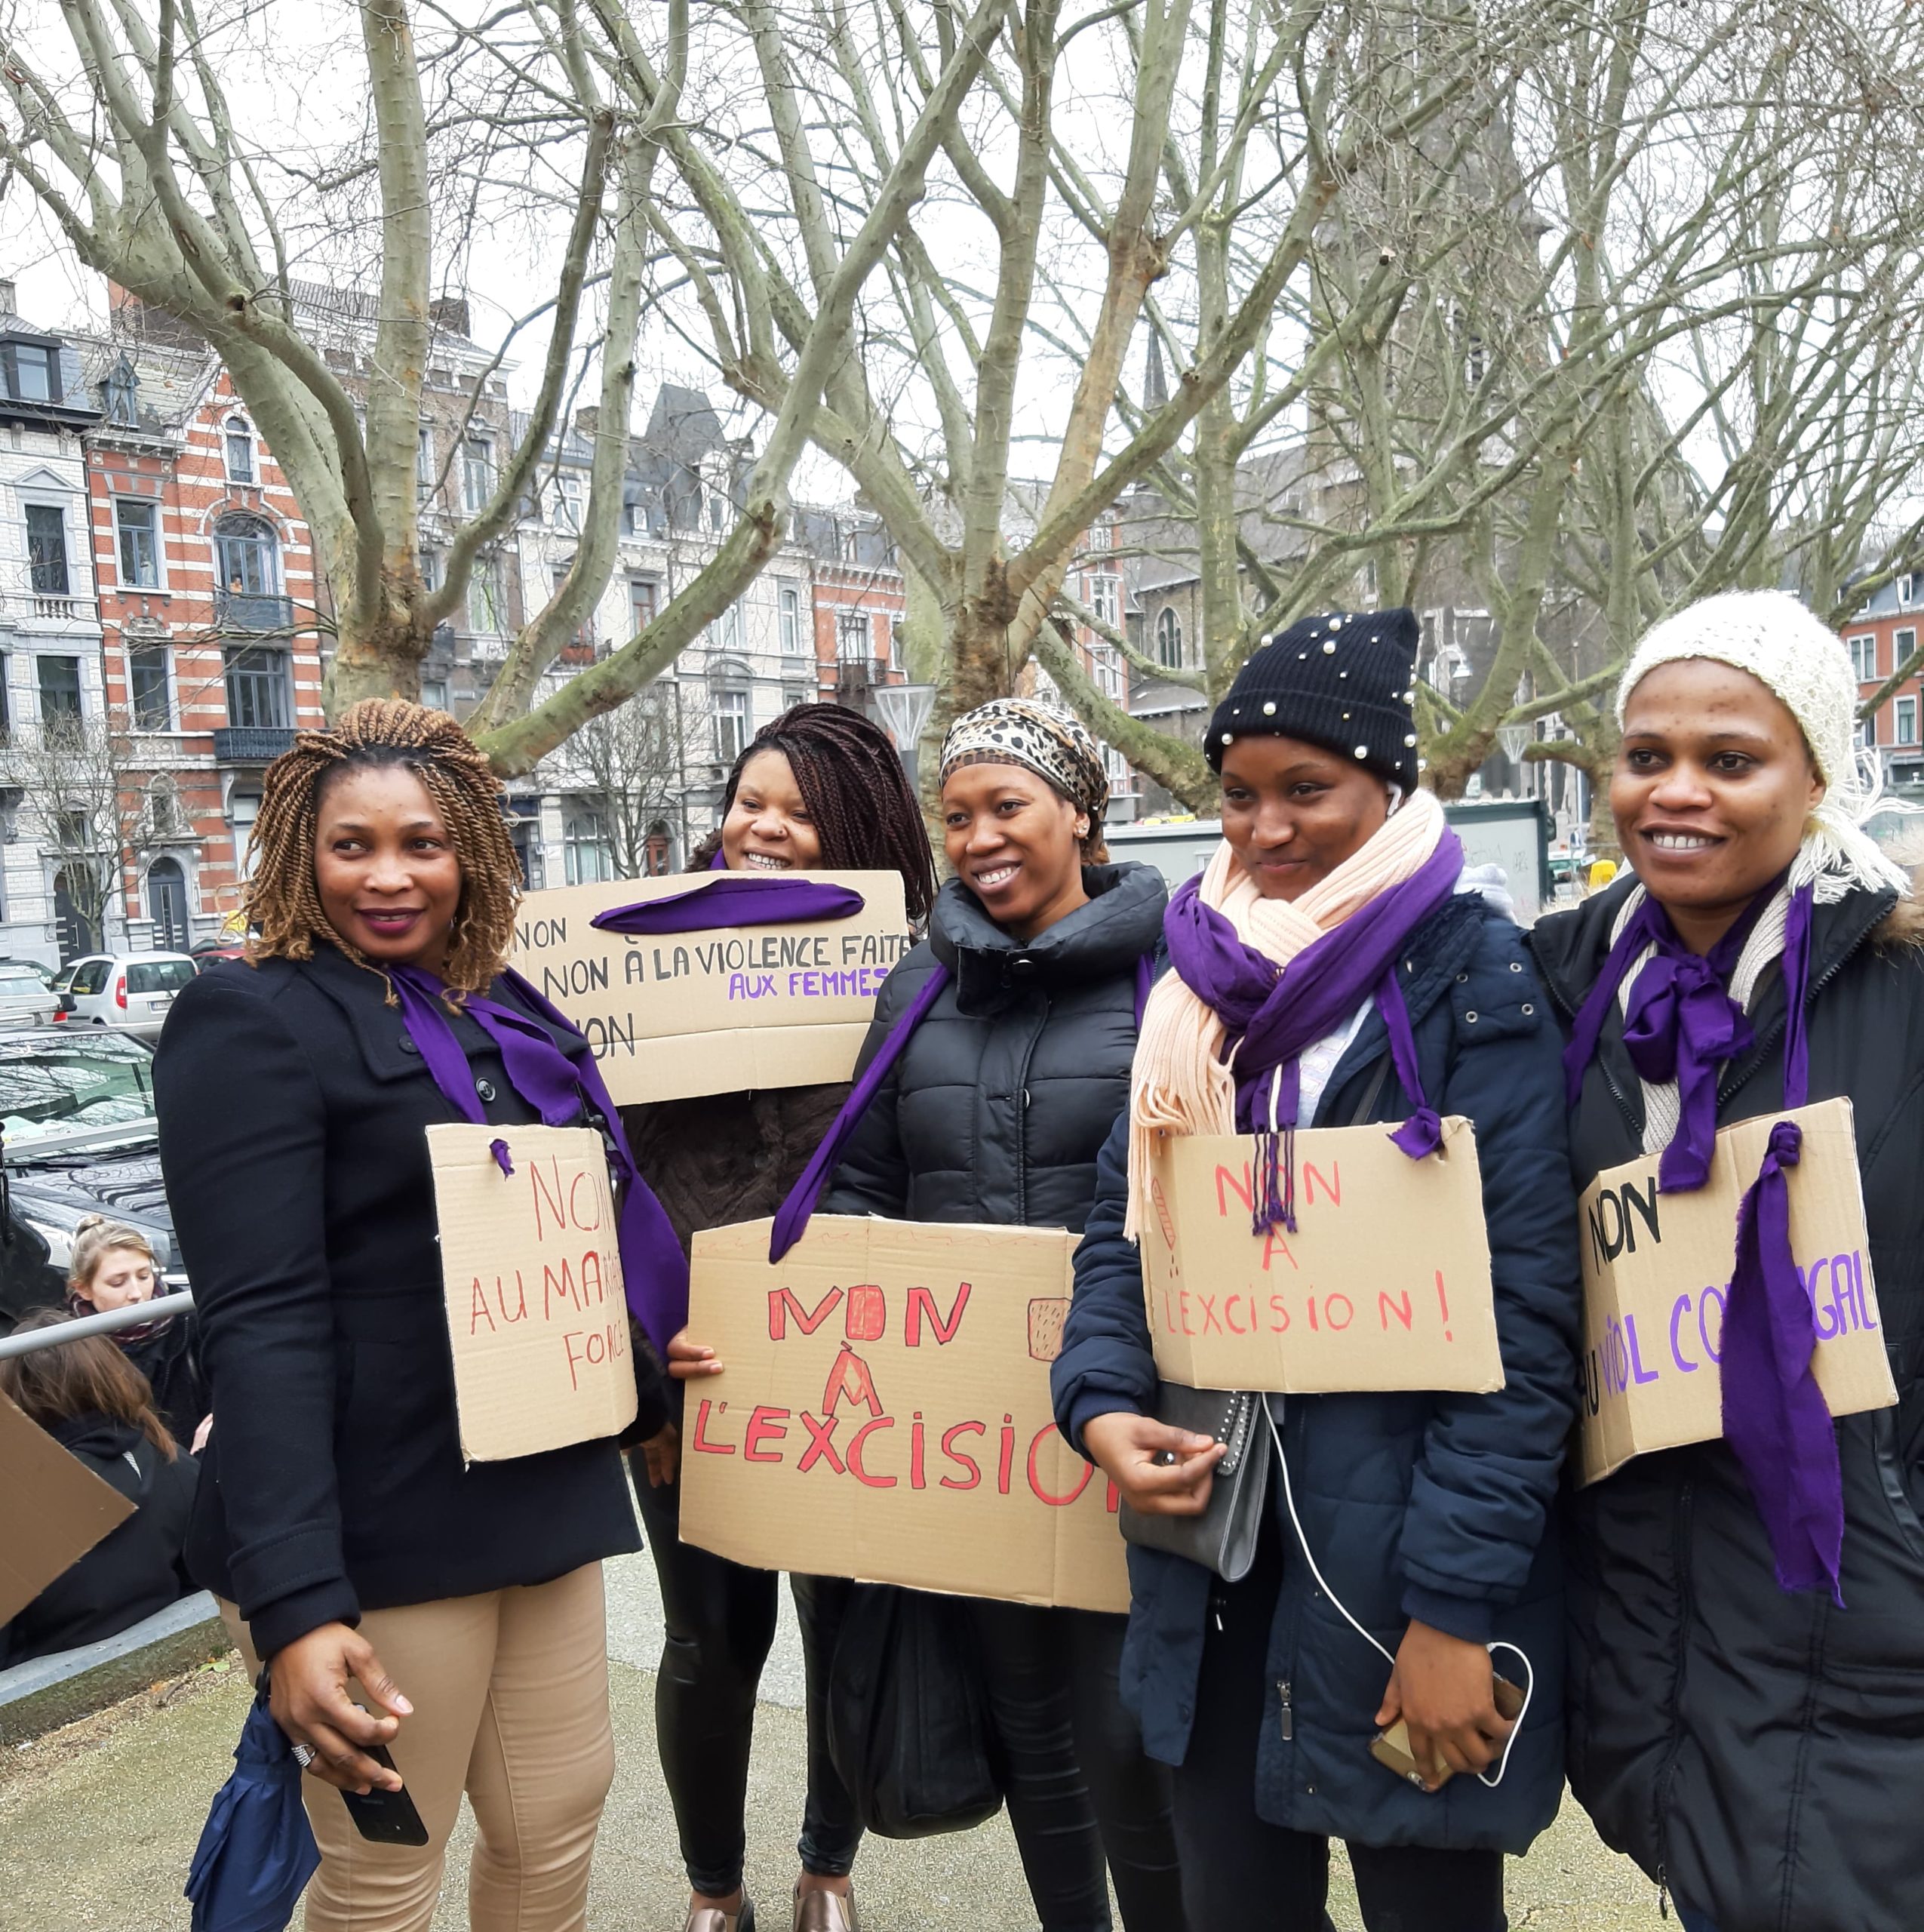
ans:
(350, 1547)
(820, 788)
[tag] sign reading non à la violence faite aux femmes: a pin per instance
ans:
(884, 1412)
(718, 1011)
(537, 1318)
(1656, 1281)
(1385, 1284)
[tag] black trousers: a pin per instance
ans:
(721, 1620)
(1239, 1870)
(1080, 1787)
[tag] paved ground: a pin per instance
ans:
(97, 1821)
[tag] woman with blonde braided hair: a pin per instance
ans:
(351, 1545)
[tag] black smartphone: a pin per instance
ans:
(387, 1817)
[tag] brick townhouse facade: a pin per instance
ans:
(1882, 637)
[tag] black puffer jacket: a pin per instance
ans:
(1762, 1752)
(1001, 1102)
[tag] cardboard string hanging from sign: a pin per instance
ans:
(537, 1319)
(884, 1412)
(1656, 1276)
(720, 1009)
(1385, 1284)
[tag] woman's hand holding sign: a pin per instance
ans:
(1159, 1470)
(688, 1359)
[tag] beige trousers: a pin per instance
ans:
(510, 1692)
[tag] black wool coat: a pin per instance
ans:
(292, 1110)
(1763, 1753)
(1005, 1094)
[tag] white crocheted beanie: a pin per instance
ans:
(1787, 648)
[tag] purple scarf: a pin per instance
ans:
(1271, 1014)
(562, 1091)
(734, 899)
(791, 1218)
(1686, 1027)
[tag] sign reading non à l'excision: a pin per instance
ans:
(1656, 1281)
(714, 1011)
(537, 1316)
(884, 1412)
(1385, 1284)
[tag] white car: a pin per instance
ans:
(129, 992)
(26, 998)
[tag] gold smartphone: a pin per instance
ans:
(1390, 1747)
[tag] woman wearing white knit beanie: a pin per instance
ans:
(1746, 1619)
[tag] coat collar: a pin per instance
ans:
(1122, 922)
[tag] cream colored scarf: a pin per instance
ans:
(1180, 1083)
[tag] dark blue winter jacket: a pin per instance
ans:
(1430, 1506)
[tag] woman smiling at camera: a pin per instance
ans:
(1747, 1615)
(1328, 969)
(452, 1612)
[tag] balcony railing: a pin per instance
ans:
(248, 611)
(251, 744)
(860, 674)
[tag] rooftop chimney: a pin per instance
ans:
(9, 305)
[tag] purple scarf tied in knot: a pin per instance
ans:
(1271, 1014)
(1681, 1024)
(564, 1092)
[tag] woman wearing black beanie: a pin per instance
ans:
(1403, 1535)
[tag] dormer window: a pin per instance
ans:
(123, 394)
(240, 451)
(33, 371)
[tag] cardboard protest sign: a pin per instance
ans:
(884, 1412)
(718, 1011)
(1656, 1278)
(54, 1510)
(1385, 1284)
(537, 1316)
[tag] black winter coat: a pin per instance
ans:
(292, 1110)
(135, 1569)
(1433, 1506)
(169, 1359)
(1761, 1752)
(1001, 1101)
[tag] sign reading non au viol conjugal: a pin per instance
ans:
(718, 1010)
(884, 1412)
(1385, 1284)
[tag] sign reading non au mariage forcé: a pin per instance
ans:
(1385, 1284)
(884, 1412)
(716, 1011)
(1656, 1281)
(537, 1317)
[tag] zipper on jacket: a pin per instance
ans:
(1022, 1117)
(1666, 1771)
(1286, 1717)
(1663, 1893)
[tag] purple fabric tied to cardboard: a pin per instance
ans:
(563, 1091)
(732, 899)
(1683, 1025)
(1271, 1014)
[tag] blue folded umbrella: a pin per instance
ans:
(257, 1851)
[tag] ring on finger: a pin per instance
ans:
(305, 1754)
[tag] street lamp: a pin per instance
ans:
(905, 709)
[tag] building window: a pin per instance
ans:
(642, 595)
(139, 554)
(59, 687)
(430, 565)
(146, 687)
(487, 611)
(240, 451)
(589, 857)
(433, 694)
(1103, 599)
(1907, 590)
(1106, 662)
(891, 640)
(567, 503)
(247, 556)
(788, 600)
(33, 371)
(476, 472)
(728, 694)
(852, 637)
(1169, 638)
(1907, 721)
(424, 459)
(47, 550)
(1864, 657)
(1906, 645)
(259, 690)
(726, 631)
(243, 808)
(794, 694)
(123, 394)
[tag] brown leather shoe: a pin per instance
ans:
(825, 1912)
(706, 1918)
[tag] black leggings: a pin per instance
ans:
(1239, 1870)
(1078, 1784)
(720, 1623)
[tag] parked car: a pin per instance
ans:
(210, 953)
(77, 1116)
(26, 998)
(129, 992)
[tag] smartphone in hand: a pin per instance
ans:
(1390, 1747)
(387, 1817)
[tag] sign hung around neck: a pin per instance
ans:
(883, 1413)
(717, 983)
(1384, 1283)
(537, 1318)
(1656, 1282)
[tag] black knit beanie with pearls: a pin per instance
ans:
(1345, 681)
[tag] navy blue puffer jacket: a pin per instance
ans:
(1432, 1506)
